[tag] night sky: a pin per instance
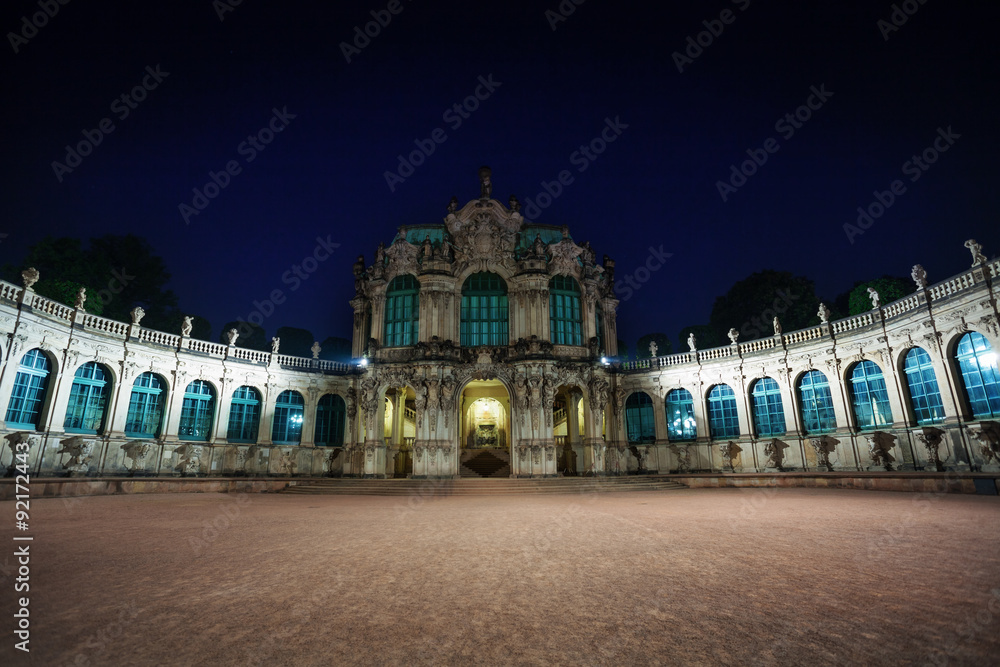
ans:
(884, 94)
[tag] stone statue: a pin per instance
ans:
(137, 451)
(588, 256)
(823, 314)
(316, 349)
(730, 451)
(453, 205)
(232, 335)
(824, 446)
(427, 249)
(692, 342)
(919, 276)
(485, 183)
(733, 335)
(187, 325)
(30, 276)
(514, 204)
(538, 247)
(81, 298)
(977, 252)
(79, 453)
(683, 454)
(380, 257)
(876, 302)
(275, 344)
(931, 439)
(777, 326)
(137, 314)
(988, 436)
(775, 451)
(653, 348)
(359, 266)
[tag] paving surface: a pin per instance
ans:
(727, 576)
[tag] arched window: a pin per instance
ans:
(639, 418)
(402, 311)
(978, 364)
(723, 421)
(869, 396)
(330, 416)
(484, 311)
(288, 412)
(680, 416)
(817, 403)
(197, 411)
(768, 414)
(88, 400)
(925, 397)
(244, 415)
(28, 396)
(564, 311)
(145, 409)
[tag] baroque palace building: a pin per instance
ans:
(485, 346)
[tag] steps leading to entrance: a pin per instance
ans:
(487, 463)
(483, 486)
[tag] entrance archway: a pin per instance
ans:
(484, 430)
(568, 429)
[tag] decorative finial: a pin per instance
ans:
(30, 277)
(919, 276)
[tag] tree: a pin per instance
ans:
(662, 345)
(751, 305)
(201, 328)
(622, 350)
(119, 272)
(295, 342)
(251, 337)
(889, 289)
(65, 292)
(705, 337)
(336, 348)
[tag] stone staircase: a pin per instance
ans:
(484, 487)
(486, 463)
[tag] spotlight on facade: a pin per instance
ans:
(363, 362)
(605, 361)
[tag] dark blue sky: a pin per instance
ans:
(655, 185)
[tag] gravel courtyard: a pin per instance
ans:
(699, 576)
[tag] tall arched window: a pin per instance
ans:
(197, 411)
(288, 415)
(244, 415)
(817, 403)
(978, 364)
(925, 397)
(88, 400)
(869, 396)
(639, 424)
(564, 311)
(331, 412)
(768, 414)
(599, 326)
(680, 416)
(484, 311)
(145, 408)
(723, 420)
(28, 396)
(402, 311)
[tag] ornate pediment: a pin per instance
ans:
(484, 234)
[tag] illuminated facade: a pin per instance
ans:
(485, 345)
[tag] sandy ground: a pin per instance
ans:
(728, 576)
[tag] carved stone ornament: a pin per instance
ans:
(231, 336)
(873, 295)
(734, 336)
(402, 258)
(683, 454)
(988, 435)
(136, 450)
(880, 446)
(79, 451)
(775, 452)
(919, 275)
(824, 446)
(316, 349)
(930, 437)
(730, 451)
(564, 256)
(823, 313)
(978, 258)
(30, 276)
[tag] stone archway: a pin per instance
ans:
(569, 420)
(484, 429)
